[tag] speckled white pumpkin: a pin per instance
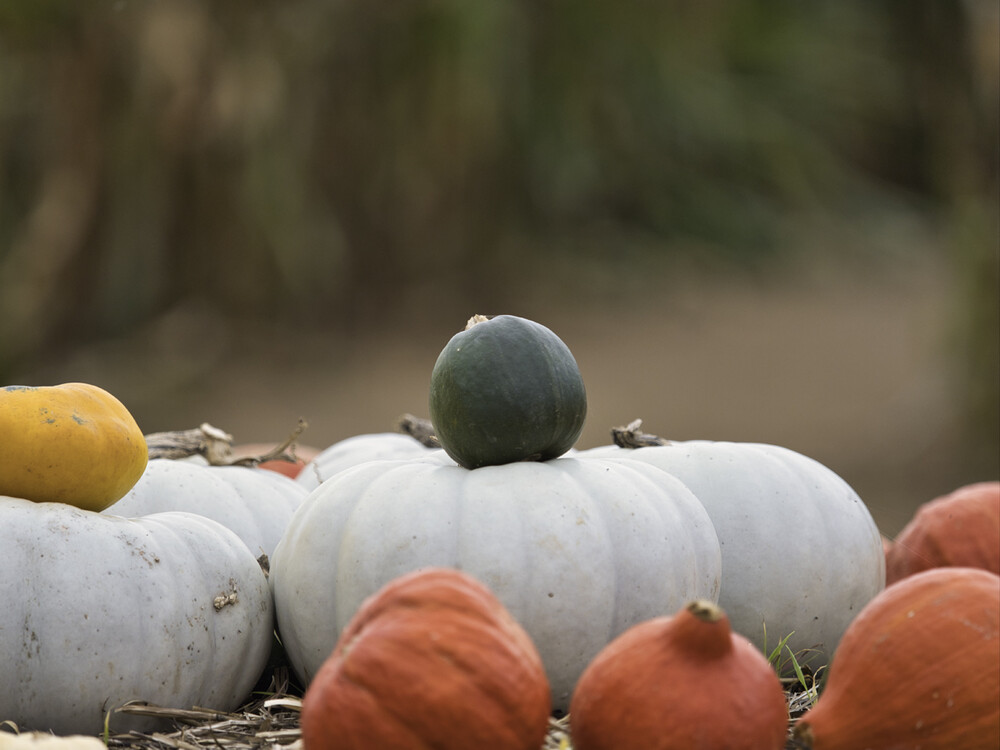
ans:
(577, 550)
(357, 449)
(801, 553)
(97, 610)
(255, 503)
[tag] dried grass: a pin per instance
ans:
(270, 721)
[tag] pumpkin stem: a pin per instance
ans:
(705, 610)
(206, 440)
(216, 446)
(802, 735)
(632, 436)
(420, 430)
(704, 628)
(284, 451)
(476, 319)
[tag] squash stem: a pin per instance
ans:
(631, 436)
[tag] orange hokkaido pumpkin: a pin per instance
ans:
(918, 668)
(433, 659)
(681, 682)
(960, 529)
(303, 455)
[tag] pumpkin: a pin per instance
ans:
(431, 660)
(918, 668)
(255, 503)
(98, 610)
(73, 443)
(46, 741)
(960, 529)
(358, 449)
(576, 550)
(679, 682)
(506, 389)
(801, 554)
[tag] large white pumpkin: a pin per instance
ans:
(98, 610)
(255, 503)
(358, 449)
(801, 553)
(578, 551)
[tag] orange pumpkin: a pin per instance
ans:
(685, 681)
(303, 455)
(959, 529)
(918, 668)
(433, 659)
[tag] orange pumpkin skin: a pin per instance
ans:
(960, 529)
(680, 682)
(433, 659)
(918, 668)
(303, 454)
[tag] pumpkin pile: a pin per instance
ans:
(454, 591)
(578, 545)
(576, 549)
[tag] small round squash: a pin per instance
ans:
(433, 659)
(506, 389)
(73, 443)
(916, 669)
(680, 682)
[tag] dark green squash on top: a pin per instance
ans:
(506, 389)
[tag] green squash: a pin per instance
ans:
(506, 389)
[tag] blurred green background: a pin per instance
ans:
(766, 220)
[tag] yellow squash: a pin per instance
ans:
(73, 443)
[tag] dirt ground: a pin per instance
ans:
(848, 366)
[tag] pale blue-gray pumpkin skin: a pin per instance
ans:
(801, 553)
(577, 550)
(170, 608)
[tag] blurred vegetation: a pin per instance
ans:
(337, 163)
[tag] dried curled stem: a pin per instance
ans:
(419, 429)
(632, 436)
(216, 446)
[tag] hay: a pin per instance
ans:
(270, 721)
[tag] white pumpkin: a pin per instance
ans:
(46, 741)
(255, 503)
(99, 610)
(801, 553)
(577, 550)
(357, 449)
